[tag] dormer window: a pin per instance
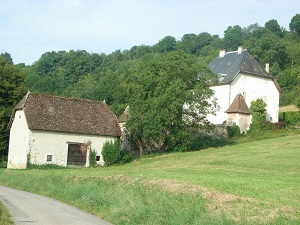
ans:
(222, 76)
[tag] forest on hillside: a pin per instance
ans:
(102, 77)
(109, 77)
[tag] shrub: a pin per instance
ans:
(111, 152)
(198, 141)
(126, 157)
(272, 126)
(291, 118)
(258, 109)
(3, 161)
(92, 158)
(233, 131)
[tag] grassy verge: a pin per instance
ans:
(4, 216)
(249, 183)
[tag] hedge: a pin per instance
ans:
(291, 118)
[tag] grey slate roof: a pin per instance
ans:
(233, 63)
(82, 116)
(238, 106)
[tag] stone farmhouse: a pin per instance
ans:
(48, 129)
(242, 80)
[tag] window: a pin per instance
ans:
(98, 158)
(49, 158)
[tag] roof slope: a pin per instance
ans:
(232, 63)
(124, 116)
(238, 106)
(53, 113)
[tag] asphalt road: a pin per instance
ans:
(27, 208)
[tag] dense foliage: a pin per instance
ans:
(158, 89)
(258, 109)
(111, 77)
(104, 77)
(291, 118)
(111, 152)
(12, 88)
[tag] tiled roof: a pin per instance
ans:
(232, 63)
(238, 106)
(82, 116)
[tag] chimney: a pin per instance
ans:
(222, 53)
(240, 49)
(267, 67)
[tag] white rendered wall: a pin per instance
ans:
(43, 143)
(257, 87)
(222, 93)
(18, 142)
(252, 88)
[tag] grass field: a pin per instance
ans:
(249, 183)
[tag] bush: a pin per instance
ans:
(272, 126)
(92, 158)
(3, 161)
(198, 141)
(258, 109)
(291, 118)
(233, 131)
(126, 157)
(111, 152)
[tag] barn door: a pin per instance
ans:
(76, 157)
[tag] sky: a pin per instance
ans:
(29, 28)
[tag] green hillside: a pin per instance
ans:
(250, 183)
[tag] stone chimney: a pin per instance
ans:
(240, 49)
(222, 53)
(267, 67)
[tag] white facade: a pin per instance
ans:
(18, 142)
(39, 144)
(252, 88)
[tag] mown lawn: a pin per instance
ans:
(249, 183)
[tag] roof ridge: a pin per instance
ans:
(67, 98)
(244, 50)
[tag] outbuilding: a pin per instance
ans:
(47, 129)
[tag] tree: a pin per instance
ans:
(167, 98)
(7, 56)
(274, 27)
(295, 24)
(258, 109)
(12, 88)
(188, 43)
(167, 44)
(232, 38)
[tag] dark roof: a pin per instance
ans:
(238, 106)
(82, 116)
(232, 63)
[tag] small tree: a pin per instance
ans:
(258, 108)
